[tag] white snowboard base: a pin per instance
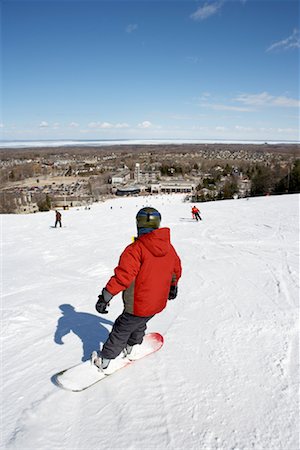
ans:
(84, 375)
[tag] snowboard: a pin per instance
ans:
(52, 226)
(86, 374)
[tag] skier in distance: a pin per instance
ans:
(196, 213)
(147, 273)
(57, 218)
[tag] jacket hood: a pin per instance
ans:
(157, 242)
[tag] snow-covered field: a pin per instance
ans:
(227, 376)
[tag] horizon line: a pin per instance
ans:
(156, 141)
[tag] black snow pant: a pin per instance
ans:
(197, 215)
(56, 222)
(127, 329)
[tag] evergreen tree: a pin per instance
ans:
(262, 181)
(291, 182)
(230, 188)
(294, 181)
(44, 204)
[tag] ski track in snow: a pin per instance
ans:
(227, 375)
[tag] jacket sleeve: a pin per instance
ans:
(177, 270)
(126, 271)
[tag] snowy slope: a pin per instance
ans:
(227, 375)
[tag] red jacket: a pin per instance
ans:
(147, 268)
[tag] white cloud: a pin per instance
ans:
(1, 125)
(93, 125)
(209, 101)
(287, 102)
(122, 125)
(241, 128)
(145, 124)
(74, 125)
(199, 128)
(265, 99)
(290, 43)
(186, 116)
(101, 125)
(193, 59)
(203, 12)
(44, 124)
(131, 28)
(221, 107)
(107, 125)
(287, 130)
(255, 99)
(205, 95)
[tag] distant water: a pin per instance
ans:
(101, 143)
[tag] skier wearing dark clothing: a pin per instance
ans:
(147, 273)
(57, 218)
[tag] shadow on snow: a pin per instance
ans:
(89, 328)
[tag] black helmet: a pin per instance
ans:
(148, 218)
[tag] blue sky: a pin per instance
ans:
(225, 69)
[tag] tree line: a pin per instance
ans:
(263, 179)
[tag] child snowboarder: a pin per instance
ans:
(148, 273)
(196, 213)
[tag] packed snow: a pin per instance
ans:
(227, 375)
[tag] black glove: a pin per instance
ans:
(173, 292)
(103, 302)
(102, 305)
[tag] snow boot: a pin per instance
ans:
(101, 363)
(128, 349)
(104, 363)
(133, 351)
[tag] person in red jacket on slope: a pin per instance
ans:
(147, 273)
(196, 213)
